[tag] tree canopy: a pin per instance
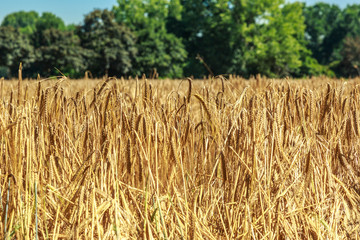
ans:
(178, 38)
(110, 47)
(24, 21)
(158, 50)
(269, 39)
(15, 47)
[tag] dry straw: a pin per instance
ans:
(248, 159)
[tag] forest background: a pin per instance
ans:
(180, 38)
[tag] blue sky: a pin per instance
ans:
(73, 11)
(340, 3)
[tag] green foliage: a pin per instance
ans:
(331, 35)
(45, 22)
(351, 20)
(49, 20)
(110, 46)
(206, 26)
(269, 39)
(24, 21)
(4, 72)
(157, 49)
(349, 65)
(347, 26)
(15, 47)
(55, 48)
(59, 49)
(177, 38)
(243, 37)
(311, 67)
(321, 22)
(71, 27)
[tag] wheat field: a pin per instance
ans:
(180, 159)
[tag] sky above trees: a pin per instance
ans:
(340, 3)
(73, 11)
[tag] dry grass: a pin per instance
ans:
(161, 159)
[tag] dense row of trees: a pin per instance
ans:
(177, 38)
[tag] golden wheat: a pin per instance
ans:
(272, 159)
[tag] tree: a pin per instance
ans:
(350, 20)
(15, 47)
(321, 20)
(206, 27)
(268, 39)
(24, 21)
(51, 48)
(59, 49)
(243, 37)
(45, 22)
(348, 26)
(49, 20)
(349, 66)
(331, 35)
(157, 49)
(111, 46)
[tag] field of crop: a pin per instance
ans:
(165, 159)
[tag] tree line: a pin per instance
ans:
(177, 38)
